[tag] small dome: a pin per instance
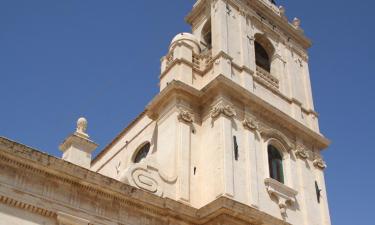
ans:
(188, 38)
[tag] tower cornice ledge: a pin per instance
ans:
(223, 84)
(113, 196)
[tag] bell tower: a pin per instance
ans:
(234, 118)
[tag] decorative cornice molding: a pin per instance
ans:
(233, 90)
(27, 207)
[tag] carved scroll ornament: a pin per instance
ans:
(250, 124)
(185, 116)
(147, 176)
(226, 110)
(319, 163)
(301, 152)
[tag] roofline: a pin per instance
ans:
(118, 137)
(20, 156)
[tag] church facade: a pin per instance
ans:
(232, 138)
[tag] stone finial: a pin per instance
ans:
(82, 127)
(282, 10)
(77, 148)
(296, 23)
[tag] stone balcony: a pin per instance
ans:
(265, 78)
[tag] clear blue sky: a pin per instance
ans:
(99, 58)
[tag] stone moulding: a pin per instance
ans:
(273, 133)
(236, 91)
(126, 201)
(284, 195)
(24, 206)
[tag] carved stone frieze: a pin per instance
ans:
(221, 108)
(185, 116)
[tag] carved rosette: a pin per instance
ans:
(301, 152)
(185, 116)
(250, 124)
(319, 163)
(226, 110)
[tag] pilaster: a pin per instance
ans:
(219, 14)
(222, 115)
(252, 147)
(185, 123)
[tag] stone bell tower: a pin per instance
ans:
(234, 118)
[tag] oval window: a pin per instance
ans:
(142, 152)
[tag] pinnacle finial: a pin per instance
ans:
(296, 23)
(81, 126)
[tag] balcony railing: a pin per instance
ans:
(265, 78)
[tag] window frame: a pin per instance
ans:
(141, 153)
(276, 163)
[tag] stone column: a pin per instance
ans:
(246, 48)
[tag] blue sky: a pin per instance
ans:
(101, 59)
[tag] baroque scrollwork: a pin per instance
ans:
(147, 176)
(226, 110)
(185, 116)
(319, 163)
(301, 152)
(250, 124)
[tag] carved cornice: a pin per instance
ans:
(233, 90)
(27, 207)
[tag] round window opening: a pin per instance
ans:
(142, 152)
